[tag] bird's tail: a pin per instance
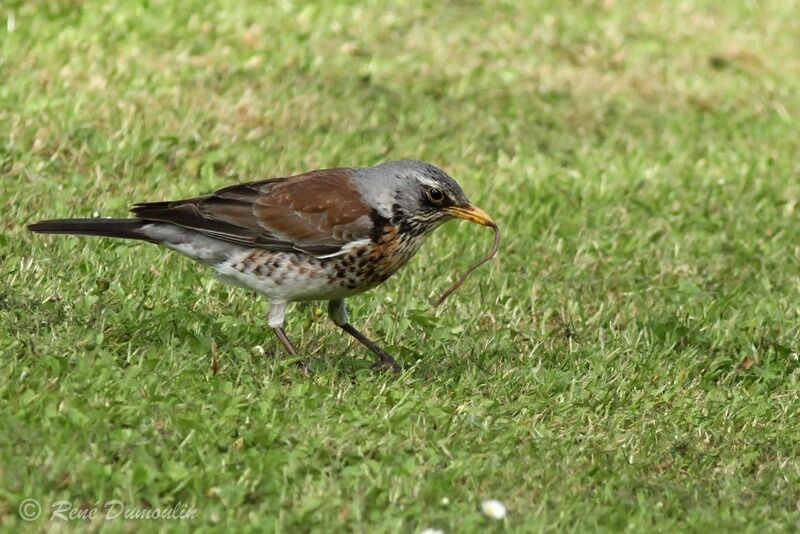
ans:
(123, 228)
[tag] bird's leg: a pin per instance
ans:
(275, 315)
(281, 333)
(338, 313)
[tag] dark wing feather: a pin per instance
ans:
(317, 213)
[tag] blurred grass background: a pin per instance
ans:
(630, 361)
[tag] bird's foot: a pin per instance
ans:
(304, 369)
(387, 363)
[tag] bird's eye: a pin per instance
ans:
(435, 195)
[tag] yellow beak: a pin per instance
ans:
(471, 213)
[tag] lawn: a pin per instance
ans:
(629, 361)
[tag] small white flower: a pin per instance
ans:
(432, 531)
(493, 508)
(445, 501)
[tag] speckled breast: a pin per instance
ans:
(293, 276)
(372, 264)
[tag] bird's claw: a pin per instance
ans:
(387, 365)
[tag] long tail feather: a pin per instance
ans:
(123, 228)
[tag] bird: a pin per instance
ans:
(323, 235)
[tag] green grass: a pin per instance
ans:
(640, 158)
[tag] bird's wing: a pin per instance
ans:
(318, 213)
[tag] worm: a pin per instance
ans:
(472, 267)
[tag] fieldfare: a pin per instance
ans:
(320, 235)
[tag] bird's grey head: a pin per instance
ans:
(418, 195)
